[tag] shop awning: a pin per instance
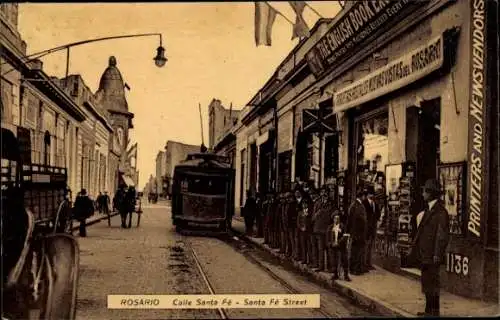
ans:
(128, 181)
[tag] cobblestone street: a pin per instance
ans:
(153, 259)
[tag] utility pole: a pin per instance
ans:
(203, 147)
(276, 160)
(320, 135)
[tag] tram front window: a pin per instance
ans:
(209, 186)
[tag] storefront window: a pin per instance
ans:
(372, 156)
(372, 151)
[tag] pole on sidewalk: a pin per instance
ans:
(320, 135)
(276, 160)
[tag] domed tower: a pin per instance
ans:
(111, 98)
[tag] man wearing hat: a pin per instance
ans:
(83, 208)
(357, 229)
(429, 245)
(372, 217)
(321, 219)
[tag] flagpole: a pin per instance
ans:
(201, 123)
(314, 10)
(281, 14)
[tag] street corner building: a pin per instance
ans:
(123, 156)
(389, 94)
(60, 122)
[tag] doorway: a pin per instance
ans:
(264, 169)
(242, 177)
(253, 168)
(428, 147)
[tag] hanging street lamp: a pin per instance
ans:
(160, 59)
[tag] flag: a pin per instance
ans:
(300, 28)
(264, 20)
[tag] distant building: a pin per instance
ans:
(161, 173)
(175, 152)
(220, 120)
(150, 185)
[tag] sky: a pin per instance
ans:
(210, 48)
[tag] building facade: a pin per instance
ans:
(391, 93)
(13, 49)
(34, 107)
(266, 134)
(92, 144)
(67, 125)
(53, 120)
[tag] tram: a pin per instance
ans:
(40, 259)
(203, 193)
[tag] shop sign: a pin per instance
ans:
(452, 180)
(457, 264)
(407, 69)
(477, 153)
(362, 20)
(315, 120)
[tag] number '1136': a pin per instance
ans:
(456, 263)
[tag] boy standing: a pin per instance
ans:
(337, 241)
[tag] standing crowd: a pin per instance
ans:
(308, 226)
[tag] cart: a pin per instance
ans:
(40, 260)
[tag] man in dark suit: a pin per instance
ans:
(321, 219)
(357, 228)
(120, 204)
(372, 217)
(249, 213)
(429, 246)
(84, 209)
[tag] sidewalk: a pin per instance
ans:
(383, 291)
(96, 218)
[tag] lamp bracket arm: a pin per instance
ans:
(78, 43)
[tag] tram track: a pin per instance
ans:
(291, 289)
(236, 245)
(204, 276)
